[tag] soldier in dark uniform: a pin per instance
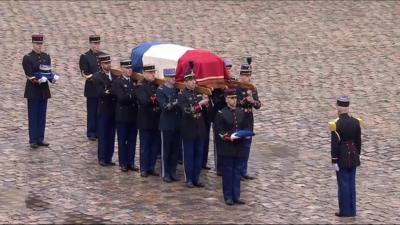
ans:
(89, 64)
(36, 91)
(147, 121)
(218, 103)
(193, 130)
(345, 153)
(247, 100)
(105, 111)
(167, 98)
(229, 120)
(125, 116)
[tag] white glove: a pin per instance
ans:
(234, 137)
(335, 166)
(42, 80)
(56, 77)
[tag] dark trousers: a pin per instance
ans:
(150, 145)
(346, 179)
(126, 133)
(91, 107)
(171, 146)
(36, 120)
(192, 159)
(231, 177)
(106, 133)
(217, 156)
(245, 159)
(206, 145)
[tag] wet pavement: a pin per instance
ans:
(304, 52)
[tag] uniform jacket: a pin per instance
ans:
(242, 93)
(148, 112)
(228, 121)
(167, 99)
(107, 100)
(89, 64)
(192, 122)
(347, 130)
(126, 108)
(30, 64)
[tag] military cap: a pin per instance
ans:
(104, 58)
(230, 93)
(228, 63)
(127, 63)
(149, 68)
(37, 38)
(343, 101)
(169, 72)
(189, 75)
(94, 38)
(245, 69)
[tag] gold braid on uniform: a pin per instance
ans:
(332, 127)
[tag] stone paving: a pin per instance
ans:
(305, 53)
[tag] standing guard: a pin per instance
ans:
(167, 98)
(37, 90)
(228, 121)
(147, 121)
(345, 153)
(247, 99)
(89, 64)
(125, 116)
(105, 111)
(193, 130)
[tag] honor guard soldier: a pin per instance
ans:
(89, 64)
(231, 150)
(167, 98)
(345, 152)
(218, 99)
(37, 90)
(193, 130)
(148, 121)
(105, 111)
(125, 116)
(247, 100)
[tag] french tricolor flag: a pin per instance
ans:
(208, 67)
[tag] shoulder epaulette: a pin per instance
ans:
(332, 125)
(362, 124)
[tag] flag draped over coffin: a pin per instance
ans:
(208, 67)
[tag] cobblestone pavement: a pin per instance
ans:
(305, 53)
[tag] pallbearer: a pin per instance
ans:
(167, 98)
(247, 100)
(105, 111)
(147, 121)
(125, 115)
(193, 130)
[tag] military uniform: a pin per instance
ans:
(89, 64)
(247, 107)
(167, 98)
(37, 93)
(124, 89)
(345, 152)
(105, 113)
(193, 131)
(227, 121)
(148, 121)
